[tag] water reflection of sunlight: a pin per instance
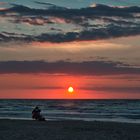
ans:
(68, 104)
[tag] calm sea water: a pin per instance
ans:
(88, 110)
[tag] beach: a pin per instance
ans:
(67, 130)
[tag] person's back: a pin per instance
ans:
(36, 113)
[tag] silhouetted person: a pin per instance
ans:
(36, 114)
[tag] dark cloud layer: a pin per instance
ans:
(99, 10)
(103, 33)
(95, 34)
(116, 89)
(5, 37)
(75, 68)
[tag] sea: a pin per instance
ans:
(86, 110)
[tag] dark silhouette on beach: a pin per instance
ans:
(36, 114)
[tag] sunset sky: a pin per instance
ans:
(48, 45)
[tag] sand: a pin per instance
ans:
(67, 130)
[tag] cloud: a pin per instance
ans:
(111, 31)
(61, 67)
(49, 5)
(116, 22)
(38, 20)
(31, 20)
(6, 37)
(3, 9)
(44, 3)
(112, 89)
(31, 87)
(98, 10)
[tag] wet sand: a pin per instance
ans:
(67, 130)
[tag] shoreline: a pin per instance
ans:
(68, 129)
(84, 120)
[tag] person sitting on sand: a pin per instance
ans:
(36, 114)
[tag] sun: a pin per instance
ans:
(70, 89)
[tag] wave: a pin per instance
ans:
(87, 110)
